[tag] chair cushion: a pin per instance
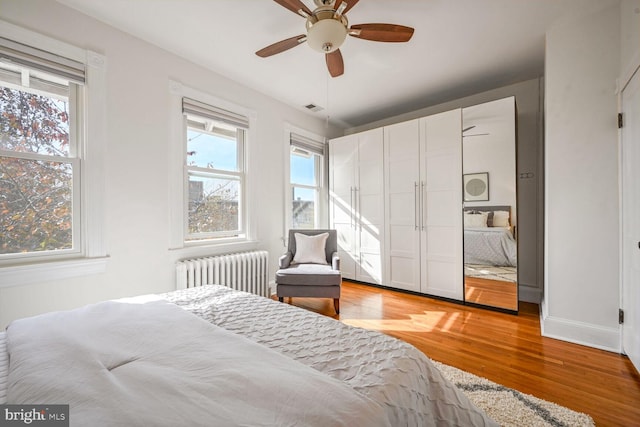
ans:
(308, 274)
(331, 244)
(310, 249)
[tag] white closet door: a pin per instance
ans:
(369, 199)
(441, 213)
(402, 236)
(343, 163)
(631, 220)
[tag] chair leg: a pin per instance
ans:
(336, 305)
(281, 299)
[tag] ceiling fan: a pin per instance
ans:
(327, 28)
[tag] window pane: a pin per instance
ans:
(213, 151)
(213, 204)
(35, 205)
(303, 167)
(33, 123)
(303, 209)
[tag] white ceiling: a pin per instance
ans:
(459, 47)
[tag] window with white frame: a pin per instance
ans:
(306, 164)
(215, 172)
(40, 156)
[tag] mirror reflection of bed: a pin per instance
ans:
(490, 254)
(490, 204)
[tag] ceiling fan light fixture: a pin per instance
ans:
(328, 27)
(326, 35)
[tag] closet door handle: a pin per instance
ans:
(416, 202)
(351, 207)
(356, 201)
(423, 211)
(354, 207)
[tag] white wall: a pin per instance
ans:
(137, 197)
(488, 147)
(496, 156)
(629, 37)
(582, 258)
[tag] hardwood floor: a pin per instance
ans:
(504, 348)
(496, 293)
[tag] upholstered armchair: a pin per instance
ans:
(310, 267)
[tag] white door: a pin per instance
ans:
(343, 163)
(369, 206)
(441, 205)
(402, 174)
(631, 220)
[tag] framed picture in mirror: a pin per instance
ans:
(476, 187)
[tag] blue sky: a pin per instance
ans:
(220, 152)
(302, 170)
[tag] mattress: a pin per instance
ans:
(397, 376)
(391, 372)
(132, 363)
(490, 246)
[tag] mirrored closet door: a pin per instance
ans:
(489, 204)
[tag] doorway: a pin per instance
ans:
(630, 163)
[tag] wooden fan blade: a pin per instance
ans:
(281, 46)
(295, 6)
(382, 32)
(335, 64)
(350, 4)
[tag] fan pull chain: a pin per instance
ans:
(327, 100)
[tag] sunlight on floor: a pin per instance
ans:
(427, 322)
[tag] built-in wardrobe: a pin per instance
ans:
(423, 186)
(356, 206)
(397, 203)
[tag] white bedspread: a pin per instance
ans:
(153, 364)
(391, 372)
(490, 246)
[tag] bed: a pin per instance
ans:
(211, 355)
(489, 236)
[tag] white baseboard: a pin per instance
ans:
(529, 294)
(581, 333)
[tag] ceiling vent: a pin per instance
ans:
(313, 107)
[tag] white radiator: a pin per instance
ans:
(243, 271)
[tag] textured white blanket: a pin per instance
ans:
(155, 364)
(391, 372)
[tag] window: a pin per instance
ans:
(52, 159)
(209, 172)
(306, 177)
(215, 172)
(40, 160)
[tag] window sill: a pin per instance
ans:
(198, 249)
(48, 271)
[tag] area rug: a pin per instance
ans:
(509, 407)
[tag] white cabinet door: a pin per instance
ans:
(441, 211)
(369, 197)
(357, 204)
(402, 174)
(342, 183)
(396, 202)
(631, 220)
